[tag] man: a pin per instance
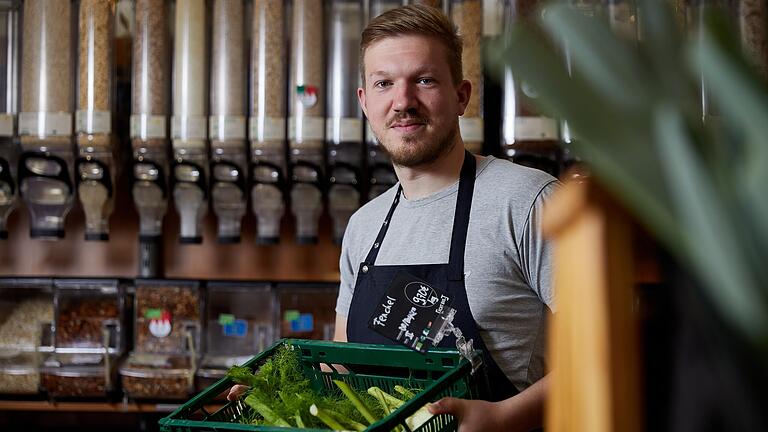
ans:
(413, 96)
(467, 225)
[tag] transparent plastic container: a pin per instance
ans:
(19, 372)
(344, 122)
(9, 82)
(528, 138)
(378, 7)
(227, 121)
(26, 314)
(467, 15)
(45, 120)
(89, 316)
(240, 322)
(167, 314)
(96, 165)
(78, 375)
(189, 125)
(149, 126)
(267, 123)
(307, 310)
(306, 124)
(158, 376)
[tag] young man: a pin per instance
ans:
(466, 224)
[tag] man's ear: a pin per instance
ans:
(361, 100)
(463, 91)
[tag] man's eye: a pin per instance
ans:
(382, 84)
(426, 81)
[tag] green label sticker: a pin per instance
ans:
(153, 313)
(225, 319)
(291, 315)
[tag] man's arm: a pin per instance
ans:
(522, 412)
(340, 332)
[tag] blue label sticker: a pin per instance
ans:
(237, 328)
(303, 323)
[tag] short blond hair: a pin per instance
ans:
(418, 20)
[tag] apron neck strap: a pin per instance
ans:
(460, 220)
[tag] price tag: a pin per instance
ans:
(535, 129)
(44, 124)
(93, 122)
(471, 129)
(227, 128)
(344, 129)
(306, 129)
(267, 129)
(148, 126)
(189, 127)
(6, 125)
(410, 311)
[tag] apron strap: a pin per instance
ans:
(461, 218)
(374, 252)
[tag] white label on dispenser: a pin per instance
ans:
(189, 127)
(225, 128)
(148, 126)
(43, 124)
(6, 125)
(272, 129)
(93, 122)
(344, 129)
(471, 129)
(370, 137)
(308, 129)
(535, 128)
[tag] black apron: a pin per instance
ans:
(373, 282)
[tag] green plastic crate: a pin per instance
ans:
(439, 372)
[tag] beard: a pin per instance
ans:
(413, 151)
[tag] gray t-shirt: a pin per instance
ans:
(507, 261)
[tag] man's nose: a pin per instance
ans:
(404, 98)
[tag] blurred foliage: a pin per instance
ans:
(697, 183)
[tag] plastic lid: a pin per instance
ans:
(156, 365)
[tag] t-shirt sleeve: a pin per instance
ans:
(537, 251)
(347, 277)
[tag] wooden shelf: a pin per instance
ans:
(118, 407)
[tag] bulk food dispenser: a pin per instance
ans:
(240, 323)
(149, 137)
(344, 121)
(9, 81)
(189, 125)
(467, 15)
(528, 138)
(166, 335)
(306, 125)
(307, 310)
(381, 175)
(95, 165)
(26, 316)
(88, 338)
(45, 121)
(227, 121)
(267, 123)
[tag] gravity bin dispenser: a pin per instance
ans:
(381, 175)
(189, 123)
(149, 125)
(227, 120)
(95, 165)
(45, 121)
(267, 122)
(9, 79)
(528, 138)
(344, 123)
(306, 125)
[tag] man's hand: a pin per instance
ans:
(472, 415)
(236, 391)
(518, 413)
